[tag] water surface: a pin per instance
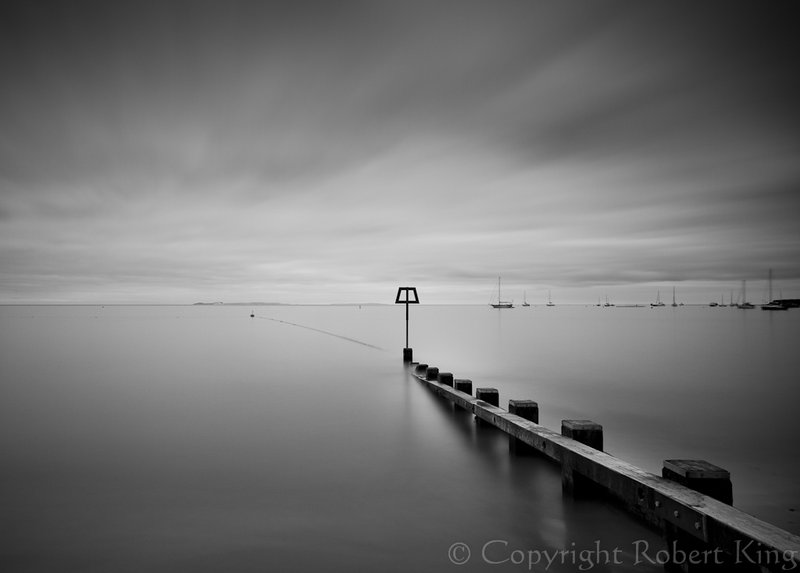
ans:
(197, 438)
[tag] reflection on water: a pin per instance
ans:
(197, 438)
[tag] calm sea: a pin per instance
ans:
(195, 438)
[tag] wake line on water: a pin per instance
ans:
(323, 332)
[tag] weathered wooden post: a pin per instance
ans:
(529, 410)
(701, 476)
(462, 385)
(446, 378)
(432, 373)
(409, 291)
(490, 396)
(585, 432)
(709, 480)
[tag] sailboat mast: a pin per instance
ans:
(770, 286)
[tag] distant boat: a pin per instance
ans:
(745, 305)
(607, 303)
(500, 302)
(772, 304)
(549, 300)
(673, 297)
(658, 301)
(525, 299)
(722, 300)
(252, 314)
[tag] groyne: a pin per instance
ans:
(690, 503)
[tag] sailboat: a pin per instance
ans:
(745, 305)
(658, 301)
(772, 304)
(549, 300)
(525, 299)
(722, 300)
(500, 302)
(673, 297)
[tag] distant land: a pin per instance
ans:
(240, 304)
(288, 304)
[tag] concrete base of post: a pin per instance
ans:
(490, 396)
(588, 433)
(529, 410)
(408, 355)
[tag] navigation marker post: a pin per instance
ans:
(407, 295)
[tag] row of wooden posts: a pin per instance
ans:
(690, 503)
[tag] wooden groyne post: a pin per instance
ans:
(690, 503)
(529, 410)
(490, 396)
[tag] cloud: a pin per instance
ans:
(233, 150)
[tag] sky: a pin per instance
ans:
(322, 152)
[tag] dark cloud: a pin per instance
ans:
(233, 147)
